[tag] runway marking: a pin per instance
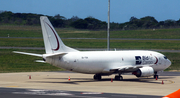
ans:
(45, 92)
(56, 93)
(12, 86)
(88, 93)
(170, 81)
(124, 96)
(160, 81)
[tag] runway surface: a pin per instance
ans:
(40, 93)
(56, 84)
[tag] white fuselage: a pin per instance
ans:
(95, 62)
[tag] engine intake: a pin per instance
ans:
(144, 72)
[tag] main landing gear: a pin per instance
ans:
(155, 75)
(118, 77)
(97, 77)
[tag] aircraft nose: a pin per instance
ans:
(168, 62)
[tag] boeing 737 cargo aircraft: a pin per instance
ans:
(101, 63)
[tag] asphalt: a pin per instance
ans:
(40, 93)
(56, 84)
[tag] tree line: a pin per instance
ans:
(91, 23)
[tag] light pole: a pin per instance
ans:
(108, 36)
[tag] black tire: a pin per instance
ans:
(118, 78)
(121, 78)
(97, 77)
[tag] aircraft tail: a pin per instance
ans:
(52, 42)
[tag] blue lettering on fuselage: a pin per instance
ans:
(143, 60)
(138, 60)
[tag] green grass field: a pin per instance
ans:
(10, 62)
(91, 43)
(35, 31)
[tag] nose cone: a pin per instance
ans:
(168, 62)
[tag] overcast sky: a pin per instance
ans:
(121, 10)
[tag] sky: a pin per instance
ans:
(120, 10)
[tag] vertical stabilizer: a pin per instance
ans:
(52, 42)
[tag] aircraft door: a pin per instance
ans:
(160, 61)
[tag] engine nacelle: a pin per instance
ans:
(144, 72)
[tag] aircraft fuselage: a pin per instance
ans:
(96, 62)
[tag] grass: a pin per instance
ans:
(35, 31)
(148, 34)
(21, 42)
(91, 43)
(20, 31)
(11, 62)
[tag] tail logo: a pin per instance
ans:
(58, 45)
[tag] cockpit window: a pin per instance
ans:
(165, 57)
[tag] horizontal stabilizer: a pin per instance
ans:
(54, 55)
(40, 61)
(32, 54)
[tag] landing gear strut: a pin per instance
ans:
(97, 77)
(118, 77)
(155, 75)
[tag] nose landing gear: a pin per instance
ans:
(155, 75)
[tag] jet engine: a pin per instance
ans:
(144, 72)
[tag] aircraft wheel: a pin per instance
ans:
(118, 78)
(97, 77)
(121, 78)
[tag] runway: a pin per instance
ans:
(56, 84)
(38, 93)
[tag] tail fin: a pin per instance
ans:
(52, 42)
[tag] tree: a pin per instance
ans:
(149, 22)
(74, 18)
(57, 22)
(59, 17)
(169, 23)
(132, 19)
(92, 23)
(80, 24)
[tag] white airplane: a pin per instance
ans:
(101, 63)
